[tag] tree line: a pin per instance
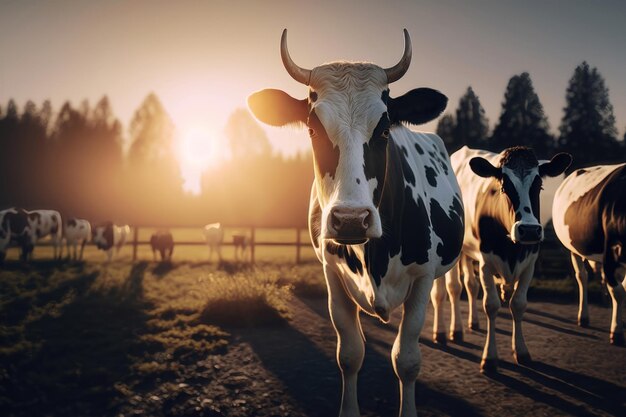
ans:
(76, 161)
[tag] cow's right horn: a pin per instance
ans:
(299, 74)
(397, 71)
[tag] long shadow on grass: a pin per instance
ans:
(75, 353)
(312, 378)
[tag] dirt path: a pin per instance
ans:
(576, 371)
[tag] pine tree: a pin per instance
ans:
(472, 125)
(522, 121)
(588, 126)
(445, 130)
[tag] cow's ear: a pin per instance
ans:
(277, 108)
(417, 106)
(483, 168)
(556, 166)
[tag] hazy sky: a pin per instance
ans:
(203, 58)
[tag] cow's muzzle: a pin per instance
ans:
(349, 225)
(527, 234)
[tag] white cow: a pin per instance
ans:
(107, 236)
(48, 223)
(214, 236)
(76, 232)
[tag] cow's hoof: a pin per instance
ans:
(617, 339)
(456, 336)
(440, 338)
(583, 322)
(523, 358)
(475, 325)
(489, 366)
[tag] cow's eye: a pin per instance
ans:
(311, 131)
(385, 134)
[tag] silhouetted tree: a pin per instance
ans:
(445, 130)
(245, 137)
(472, 126)
(588, 126)
(522, 121)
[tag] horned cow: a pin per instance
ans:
(385, 213)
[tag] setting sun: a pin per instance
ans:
(197, 150)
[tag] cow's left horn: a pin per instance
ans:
(396, 72)
(297, 73)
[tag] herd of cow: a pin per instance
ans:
(24, 228)
(391, 214)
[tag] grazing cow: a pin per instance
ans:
(76, 232)
(48, 223)
(16, 228)
(214, 236)
(502, 232)
(162, 241)
(107, 236)
(385, 213)
(589, 216)
(241, 242)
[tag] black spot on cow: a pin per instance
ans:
(34, 217)
(326, 154)
(511, 192)
(580, 172)
(107, 233)
(431, 176)
(419, 149)
(375, 156)
(409, 176)
(449, 227)
(527, 209)
(494, 238)
(385, 96)
(71, 223)
(312, 96)
(534, 191)
(416, 239)
(358, 181)
(346, 253)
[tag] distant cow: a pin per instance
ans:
(16, 228)
(47, 223)
(163, 242)
(241, 242)
(502, 232)
(214, 236)
(589, 216)
(76, 232)
(107, 236)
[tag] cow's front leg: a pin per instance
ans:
(491, 304)
(455, 287)
(580, 272)
(471, 286)
(438, 297)
(350, 346)
(517, 305)
(405, 355)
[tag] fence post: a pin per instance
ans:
(135, 242)
(252, 245)
(297, 245)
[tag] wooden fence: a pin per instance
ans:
(252, 243)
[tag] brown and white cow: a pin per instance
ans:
(214, 236)
(589, 216)
(502, 232)
(162, 241)
(385, 214)
(107, 236)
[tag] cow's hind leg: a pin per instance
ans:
(350, 345)
(491, 304)
(580, 272)
(438, 297)
(405, 355)
(455, 287)
(618, 297)
(517, 305)
(472, 285)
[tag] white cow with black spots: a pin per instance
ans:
(385, 214)
(502, 233)
(48, 223)
(107, 237)
(589, 216)
(76, 232)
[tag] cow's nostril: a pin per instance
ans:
(336, 221)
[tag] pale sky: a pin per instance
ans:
(203, 58)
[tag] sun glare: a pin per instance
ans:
(197, 150)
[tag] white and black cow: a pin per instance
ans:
(15, 228)
(163, 242)
(241, 242)
(48, 223)
(385, 214)
(214, 236)
(589, 216)
(502, 232)
(107, 236)
(76, 232)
